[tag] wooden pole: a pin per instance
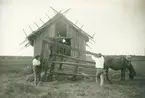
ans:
(25, 33)
(54, 10)
(76, 22)
(27, 44)
(25, 39)
(93, 34)
(60, 66)
(60, 11)
(75, 59)
(74, 49)
(36, 24)
(88, 46)
(63, 53)
(78, 56)
(81, 26)
(30, 28)
(42, 20)
(73, 64)
(42, 60)
(54, 47)
(66, 11)
(23, 42)
(47, 16)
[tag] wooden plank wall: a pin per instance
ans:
(82, 46)
(78, 42)
(74, 42)
(47, 32)
(70, 34)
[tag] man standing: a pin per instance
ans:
(36, 69)
(99, 60)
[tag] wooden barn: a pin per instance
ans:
(60, 28)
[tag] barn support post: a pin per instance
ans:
(60, 66)
(54, 49)
(60, 51)
(63, 53)
(44, 67)
(76, 68)
(46, 76)
(50, 78)
(78, 56)
(75, 73)
(42, 62)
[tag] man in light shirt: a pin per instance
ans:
(99, 60)
(36, 69)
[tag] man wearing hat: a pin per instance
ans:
(36, 69)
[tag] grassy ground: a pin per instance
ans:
(13, 85)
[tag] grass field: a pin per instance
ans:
(13, 84)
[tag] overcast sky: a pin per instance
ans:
(119, 24)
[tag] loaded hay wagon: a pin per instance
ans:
(60, 43)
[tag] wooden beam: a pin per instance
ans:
(59, 37)
(68, 47)
(69, 74)
(72, 58)
(73, 64)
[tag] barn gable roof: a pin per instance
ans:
(48, 23)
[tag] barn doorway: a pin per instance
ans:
(61, 34)
(62, 49)
(61, 28)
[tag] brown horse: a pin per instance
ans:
(119, 63)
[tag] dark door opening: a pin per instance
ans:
(61, 29)
(61, 34)
(62, 49)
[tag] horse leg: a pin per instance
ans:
(123, 75)
(107, 70)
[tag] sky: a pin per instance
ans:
(119, 25)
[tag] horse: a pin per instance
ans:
(119, 63)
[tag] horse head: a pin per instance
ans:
(132, 71)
